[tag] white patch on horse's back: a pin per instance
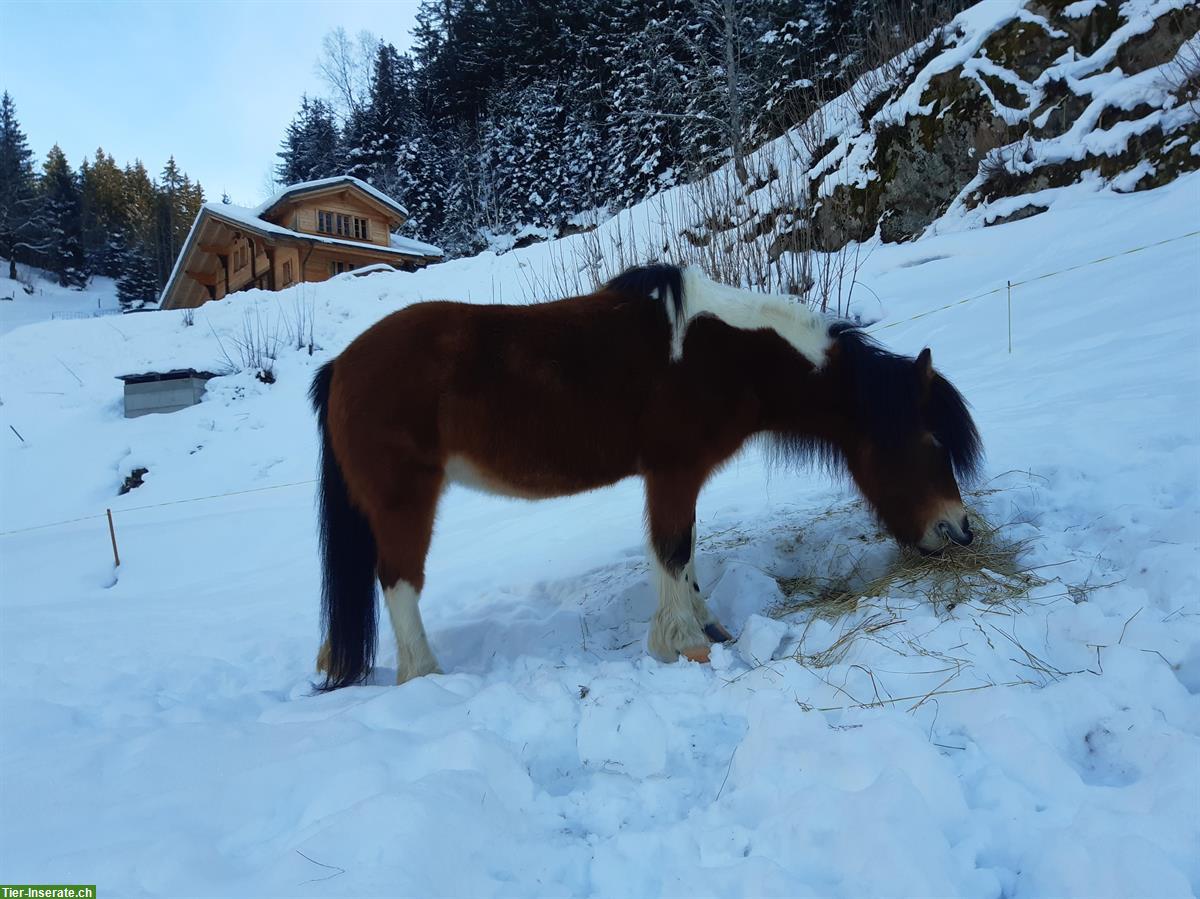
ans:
(747, 310)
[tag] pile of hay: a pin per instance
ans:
(988, 572)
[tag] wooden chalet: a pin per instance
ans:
(307, 232)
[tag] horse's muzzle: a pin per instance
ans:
(951, 528)
(960, 534)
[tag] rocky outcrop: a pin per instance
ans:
(1012, 99)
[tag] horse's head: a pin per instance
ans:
(911, 440)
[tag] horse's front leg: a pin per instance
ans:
(713, 629)
(682, 624)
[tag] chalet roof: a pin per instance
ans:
(241, 217)
(292, 190)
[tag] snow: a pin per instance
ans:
(50, 301)
(1081, 8)
(160, 736)
(413, 247)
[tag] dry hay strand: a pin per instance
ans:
(989, 572)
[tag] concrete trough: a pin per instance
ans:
(166, 391)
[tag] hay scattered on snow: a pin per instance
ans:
(989, 572)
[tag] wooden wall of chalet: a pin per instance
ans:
(252, 270)
(303, 217)
(287, 267)
(317, 263)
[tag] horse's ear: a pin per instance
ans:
(924, 366)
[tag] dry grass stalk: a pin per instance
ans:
(988, 572)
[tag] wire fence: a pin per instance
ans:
(1008, 286)
(86, 313)
(987, 293)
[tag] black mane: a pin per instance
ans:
(887, 394)
(646, 279)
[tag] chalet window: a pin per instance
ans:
(336, 268)
(325, 222)
(343, 225)
(287, 273)
(360, 229)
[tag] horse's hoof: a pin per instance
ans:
(715, 632)
(697, 654)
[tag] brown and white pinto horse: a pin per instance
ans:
(661, 373)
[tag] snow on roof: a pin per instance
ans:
(320, 183)
(413, 247)
(250, 219)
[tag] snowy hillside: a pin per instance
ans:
(989, 118)
(160, 736)
(48, 301)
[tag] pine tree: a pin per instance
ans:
(62, 243)
(312, 147)
(138, 286)
(139, 237)
(102, 214)
(526, 112)
(375, 134)
(20, 216)
(649, 101)
(177, 203)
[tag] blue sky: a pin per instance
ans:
(215, 83)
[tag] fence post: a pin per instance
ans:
(112, 533)
(1010, 318)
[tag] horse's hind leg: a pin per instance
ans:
(402, 521)
(682, 624)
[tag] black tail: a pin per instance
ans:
(348, 562)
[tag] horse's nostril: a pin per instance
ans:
(959, 535)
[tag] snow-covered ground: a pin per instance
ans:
(49, 301)
(158, 734)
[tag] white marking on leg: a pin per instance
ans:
(804, 329)
(674, 626)
(414, 658)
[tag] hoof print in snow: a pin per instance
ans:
(136, 479)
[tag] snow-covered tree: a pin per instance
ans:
(61, 239)
(138, 286)
(21, 225)
(102, 214)
(312, 147)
